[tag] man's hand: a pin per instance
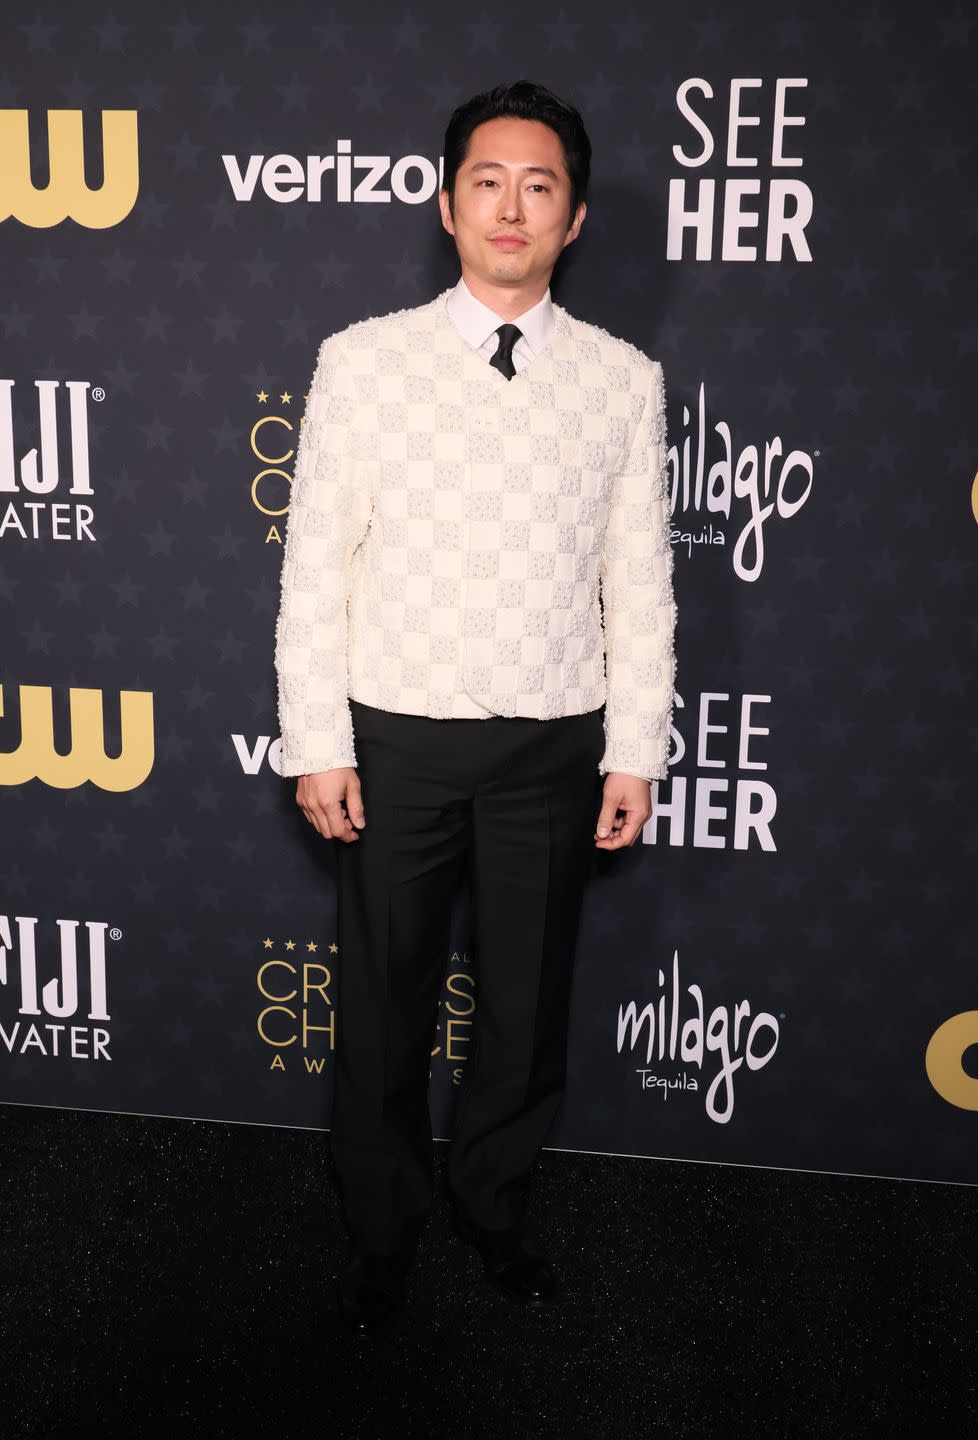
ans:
(632, 795)
(321, 798)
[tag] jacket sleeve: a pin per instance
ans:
(637, 600)
(329, 513)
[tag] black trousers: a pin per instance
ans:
(513, 803)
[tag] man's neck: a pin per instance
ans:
(507, 301)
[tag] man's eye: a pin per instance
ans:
(536, 186)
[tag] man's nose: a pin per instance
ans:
(510, 205)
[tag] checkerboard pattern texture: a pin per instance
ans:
(463, 545)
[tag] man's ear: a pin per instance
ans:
(576, 223)
(446, 214)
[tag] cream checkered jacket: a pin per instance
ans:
(454, 539)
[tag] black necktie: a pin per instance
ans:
(503, 358)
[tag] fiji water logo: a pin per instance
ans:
(49, 986)
(731, 1037)
(44, 494)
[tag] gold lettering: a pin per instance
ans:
(261, 981)
(458, 984)
(36, 757)
(272, 1010)
(308, 988)
(945, 1053)
(456, 1032)
(307, 1029)
(67, 193)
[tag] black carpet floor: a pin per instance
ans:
(176, 1277)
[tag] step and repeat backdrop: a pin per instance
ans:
(783, 972)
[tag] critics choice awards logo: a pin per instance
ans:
(299, 1014)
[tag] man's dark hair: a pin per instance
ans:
(523, 101)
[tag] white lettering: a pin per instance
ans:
(697, 1040)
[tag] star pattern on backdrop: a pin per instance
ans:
(860, 627)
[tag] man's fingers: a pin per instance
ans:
(328, 819)
(354, 804)
(606, 818)
(339, 827)
(322, 798)
(313, 819)
(633, 798)
(626, 833)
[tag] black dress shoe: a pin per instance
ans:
(515, 1270)
(370, 1291)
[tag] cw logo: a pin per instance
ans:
(944, 1056)
(36, 757)
(66, 193)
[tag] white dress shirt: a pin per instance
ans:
(477, 324)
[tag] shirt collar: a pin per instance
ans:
(476, 322)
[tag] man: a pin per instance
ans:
(477, 623)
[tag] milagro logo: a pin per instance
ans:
(733, 1036)
(37, 501)
(740, 486)
(36, 1026)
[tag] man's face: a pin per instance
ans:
(512, 196)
